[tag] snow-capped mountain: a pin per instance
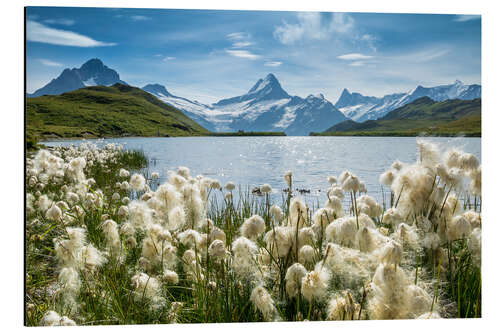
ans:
(360, 108)
(91, 73)
(197, 111)
(266, 107)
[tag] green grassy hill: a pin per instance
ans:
(422, 116)
(100, 111)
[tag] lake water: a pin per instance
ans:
(253, 161)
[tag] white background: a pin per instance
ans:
(12, 164)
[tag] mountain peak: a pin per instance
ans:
(96, 61)
(316, 96)
(156, 89)
(271, 77)
(92, 73)
(458, 82)
(270, 81)
(94, 64)
(267, 88)
(345, 92)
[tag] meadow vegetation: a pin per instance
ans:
(108, 243)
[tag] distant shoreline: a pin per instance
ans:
(221, 134)
(400, 134)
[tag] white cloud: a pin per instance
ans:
(312, 25)
(465, 18)
(273, 63)
(140, 18)
(37, 32)
(237, 35)
(243, 54)
(62, 21)
(241, 44)
(50, 63)
(357, 64)
(429, 55)
(168, 58)
(354, 56)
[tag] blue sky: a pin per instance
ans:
(208, 55)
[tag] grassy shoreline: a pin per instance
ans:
(400, 134)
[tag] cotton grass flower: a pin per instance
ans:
(54, 213)
(263, 302)
(70, 283)
(306, 254)
(332, 180)
(276, 212)
(392, 216)
(288, 178)
(342, 231)
(137, 182)
(147, 288)
(279, 241)
(388, 296)
(369, 206)
(124, 173)
(315, 283)
(52, 318)
(334, 203)
(297, 213)
(430, 154)
(458, 227)
(110, 229)
(253, 227)
(391, 253)
(170, 277)
(431, 241)
(229, 186)
(473, 217)
(474, 245)
(387, 178)
(115, 196)
(122, 212)
(293, 278)
(92, 258)
(266, 189)
(343, 308)
(336, 191)
(217, 249)
(189, 237)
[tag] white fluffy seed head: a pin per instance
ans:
(138, 182)
(124, 173)
(229, 186)
(276, 213)
(315, 283)
(306, 254)
(391, 253)
(387, 178)
(253, 227)
(170, 276)
(54, 213)
(217, 249)
(263, 302)
(266, 188)
(293, 278)
(458, 227)
(288, 178)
